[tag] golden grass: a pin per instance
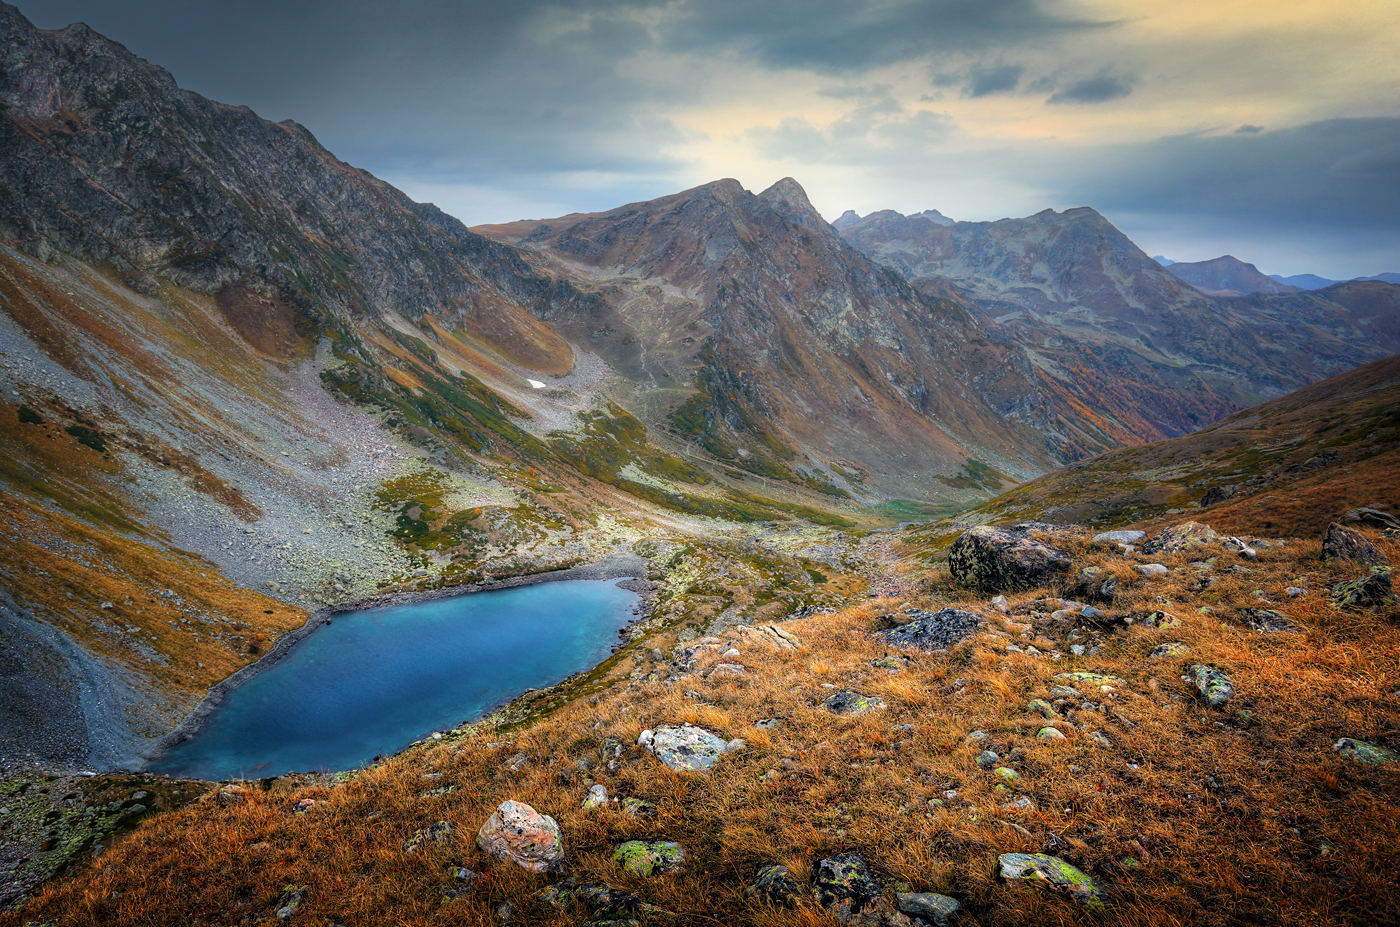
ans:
(1230, 819)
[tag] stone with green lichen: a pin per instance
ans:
(851, 703)
(1007, 773)
(1369, 591)
(289, 902)
(1053, 872)
(649, 857)
(1092, 679)
(1359, 751)
(1167, 651)
(1042, 706)
(933, 908)
(1214, 687)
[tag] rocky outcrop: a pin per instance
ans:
(994, 560)
(1341, 543)
(1181, 537)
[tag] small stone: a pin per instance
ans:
(1007, 773)
(844, 886)
(1098, 738)
(638, 807)
(977, 737)
(648, 858)
(987, 759)
(437, 833)
(850, 704)
(1168, 650)
(1042, 706)
(1054, 873)
(1051, 734)
(932, 631)
(1000, 604)
(1359, 751)
(1152, 570)
(736, 744)
(1215, 687)
(1024, 803)
(1268, 621)
(1091, 679)
(1368, 591)
(1064, 692)
(597, 797)
(288, 903)
(777, 884)
(517, 833)
(1295, 591)
(937, 909)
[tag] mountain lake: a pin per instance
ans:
(373, 681)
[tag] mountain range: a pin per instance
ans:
(240, 364)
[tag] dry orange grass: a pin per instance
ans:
(1193, 816)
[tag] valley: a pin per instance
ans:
(247, 388)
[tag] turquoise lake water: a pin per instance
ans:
(374, 681)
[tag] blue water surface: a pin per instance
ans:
(376, 680)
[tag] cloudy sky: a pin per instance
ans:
(1268, 129)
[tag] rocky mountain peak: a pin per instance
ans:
(1227, 275)
(847, 218)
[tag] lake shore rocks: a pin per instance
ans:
(995, 560)
(517, 833)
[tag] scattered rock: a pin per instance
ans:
(1119, 537)
(288, 903)
(1000, 604)
(517, 833)
(1214, 686)
(1052, 872)
(849, 703)
(437, 833)
(1007, 559)
(1374, 589)
(987, 759)
(1181, 537)
(767, 635)
(1268, 621)
(932, 631)
(844, 886)
(1168, 651)
(1091, 679)
(1042, 706)
(936, 909)
(1218, 494)
(1371, 518)
(1007, 773)
(648, 858)
(891, 663)
(1094, 584)
(597, 797)
(1359, 751)
(686, 748)
(777, 884)
(1051, 734)
(638, 807)
(1151, 570)
(1345, 544)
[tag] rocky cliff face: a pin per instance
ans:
(1079, 275)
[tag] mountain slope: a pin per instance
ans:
(1076, 273)
(1228, 276)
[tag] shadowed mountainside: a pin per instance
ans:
(1229, 276)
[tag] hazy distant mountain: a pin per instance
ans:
(850, 217)
(1075, 274)
(1304, 281)
(1164, 261)
(1387, 277)
(1228, 276)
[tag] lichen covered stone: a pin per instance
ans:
(648, 858)
(995, 560)
(517, 833)
(1214, 687)
(1054, 873)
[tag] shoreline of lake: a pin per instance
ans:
(630, 568)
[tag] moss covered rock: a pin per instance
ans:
(1054, 873)
(649, 857)
(1008, 559)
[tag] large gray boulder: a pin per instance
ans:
(686, 748)
(932, 631)
(995, 560)
(1341, 543)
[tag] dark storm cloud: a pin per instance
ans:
(1100, 88)
(985, 81)
(1339, 174)
(842, 35)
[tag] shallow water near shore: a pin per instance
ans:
(376, 680)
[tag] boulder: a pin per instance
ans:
(1119, 537)
(1215, 687)
(1359, 751)
(1341, 543)
(1181, 537)
(995, 560)
(851, 703)
(932, 631)
(767, 635)
(1371, 517)
(1052, 872)
(1218, 494)
(1369, 591)
(686, 748)
(1268, 621)
(517, 833)
(648, 858)
(844, 886)
(1152, 570)
(930, 907)
(777, 884)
